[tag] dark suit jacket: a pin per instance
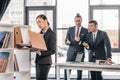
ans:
(50, 40)
(101, 46)
(75, 47)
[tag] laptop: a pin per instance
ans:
(79, 57)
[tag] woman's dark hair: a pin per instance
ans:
(93, 21)
(43, 17)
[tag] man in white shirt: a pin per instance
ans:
(98, 44)
(74, 39)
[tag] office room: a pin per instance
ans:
(66, 49)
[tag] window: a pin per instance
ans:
(108, 20)
(107, 13)
(33, 9)
(32, 18)
(40, 2)
(104, 2)
(14, 13)
(66, 11)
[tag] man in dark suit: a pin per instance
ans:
(98, 43)
(43, 58)
(74, 38)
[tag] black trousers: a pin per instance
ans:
(95, 75)
(79, 72)
(42, 71)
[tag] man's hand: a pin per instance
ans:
(110, 60)
(68, 41)
(77, 39)
(85, 44)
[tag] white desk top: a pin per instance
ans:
(87, 64)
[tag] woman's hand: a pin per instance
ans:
(38, 52)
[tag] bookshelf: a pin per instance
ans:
(22, 55)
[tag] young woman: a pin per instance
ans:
(43, 58)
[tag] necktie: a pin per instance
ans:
(94, 38)
(77, 32)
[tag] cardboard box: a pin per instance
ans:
(37, 41)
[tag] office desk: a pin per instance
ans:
(90, 66)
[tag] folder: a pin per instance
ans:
(37, 41)
(2, 37)
(16, 67)
(6, 40)
(3, 61)
(18, 36)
